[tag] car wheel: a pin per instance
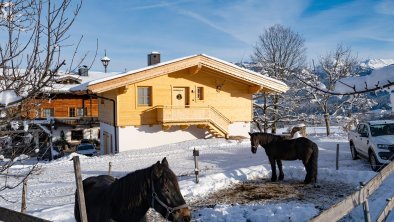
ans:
(353, 152)
(375, 165)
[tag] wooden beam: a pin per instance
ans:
(123, 89)
(255, 89)
(184, 127)
(202, 126)
(195, 69)
(166, 127)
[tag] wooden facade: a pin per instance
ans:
(65, 105)
(196, 91)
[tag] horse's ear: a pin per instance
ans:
(164, 162)
(157, 169)
(250, 134)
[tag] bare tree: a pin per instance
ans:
(281, 53)
(32, 33)
(323, 79)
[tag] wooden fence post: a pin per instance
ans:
(196, 153)
(367, 215)
(109, 168)
(80, 193)
(387, 210)
(24, 192)
(337, 159)
(338, 210)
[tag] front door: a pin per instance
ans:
(178, 96)
(107, 143)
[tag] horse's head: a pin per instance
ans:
(166, 195)
(254, 142)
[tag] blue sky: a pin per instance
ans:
(226, 29)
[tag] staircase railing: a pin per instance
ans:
(193, 114)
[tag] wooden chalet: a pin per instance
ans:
(74, 114)
(188, 98)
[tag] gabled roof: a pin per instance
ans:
(77, 80)
(194, 64)
(69, 79)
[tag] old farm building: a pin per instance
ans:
(192, 97)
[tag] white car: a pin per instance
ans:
(86, 149)
(373, 140)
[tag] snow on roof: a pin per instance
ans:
(84, 86)
(379, 76)
(8, 96)
(92, 75)
(246, 70)
(136, 70)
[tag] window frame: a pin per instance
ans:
(84, 111)
(146, 99)
(51, 112)
(72, 112)
(200, 93)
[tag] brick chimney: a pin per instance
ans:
(153, 58)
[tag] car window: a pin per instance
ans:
(360, 129)
(382, 129)
(85, 147)
(375, 131)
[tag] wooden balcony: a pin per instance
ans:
(77, 120)
(204, 117)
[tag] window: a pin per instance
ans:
(76, 134)
(71, 112)
(47, 112)
(82, 111)
(144, 96)
(38, 113)
(200, 93)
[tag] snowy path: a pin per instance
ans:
(222, 163)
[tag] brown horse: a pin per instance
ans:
(130, 197)
(278, 148)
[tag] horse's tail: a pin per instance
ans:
(313, 162)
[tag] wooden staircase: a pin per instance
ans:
(203, 117)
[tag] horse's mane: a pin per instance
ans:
(268, 137)
(131, 189)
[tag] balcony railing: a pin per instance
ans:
(77, 120)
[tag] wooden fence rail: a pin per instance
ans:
(386, 211)
(339, 210)
(8, 215)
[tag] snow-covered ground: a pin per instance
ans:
(222, 163)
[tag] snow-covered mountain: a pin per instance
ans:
(376, 63)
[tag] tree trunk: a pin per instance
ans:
(327, 121)
(265, 114)
(258, 125)
(275, 117)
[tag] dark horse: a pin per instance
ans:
(278, 148)
(130, 197)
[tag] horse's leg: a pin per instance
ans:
(308, 167)
(308, 177)
(281, 175)
(273, 168)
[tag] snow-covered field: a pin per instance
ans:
(222, 163)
